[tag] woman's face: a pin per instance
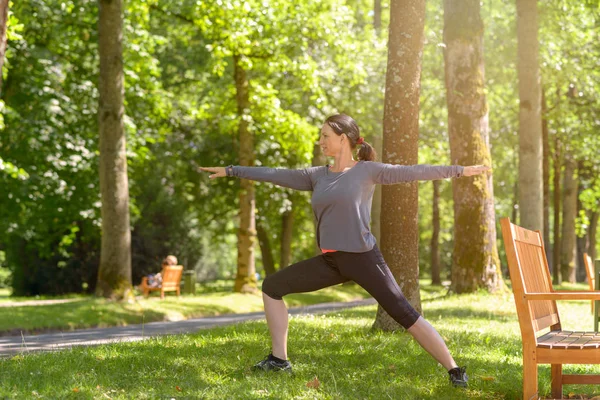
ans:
(331, 143)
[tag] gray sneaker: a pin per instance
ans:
(458, 377)
(271, 363)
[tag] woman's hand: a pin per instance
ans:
(217, 171)
(475, 170)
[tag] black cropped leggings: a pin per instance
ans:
(367, 269)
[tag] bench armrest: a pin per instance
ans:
(564, 295)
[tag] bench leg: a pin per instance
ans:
(178, 292)
(162, 294)
(530, 377)
(556, 373)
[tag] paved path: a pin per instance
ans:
(12, 345)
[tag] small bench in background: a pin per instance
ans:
(171, 281)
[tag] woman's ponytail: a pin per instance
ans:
(366, 152)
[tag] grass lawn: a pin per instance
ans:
(213, 299)
(339, 350)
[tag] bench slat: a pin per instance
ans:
(569, 340)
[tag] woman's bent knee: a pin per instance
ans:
(270, 288)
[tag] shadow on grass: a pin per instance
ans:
(89, 314)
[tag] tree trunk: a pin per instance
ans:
(317, 160)
(556, 278)
(546, 179)
(515, 208)
(475, 261)
(376, 204)
(399, 229)
(530, 119)
(435, 236)
(581, 243)
(265, 249)
(567, 262)
(377, 16)
(245, 280)
(3, 21)
(591, 250)
(114, 273)
(287, 229)
(377, 141)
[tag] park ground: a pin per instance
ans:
(335, 356)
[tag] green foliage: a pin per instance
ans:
(305, 60)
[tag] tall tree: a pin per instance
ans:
(435, 236)
(3, 23)
(475, 262)
(287, 229)
(265, 249)
(399, 230)
(557, 167)
(546, 179)
(591, 250)
(377, 16)
(567, 254)
(377, 141)
(245, 280)
(581, 240)
(114, 273)
(530, 120)
(318, 159)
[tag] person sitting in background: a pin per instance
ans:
(155, 280)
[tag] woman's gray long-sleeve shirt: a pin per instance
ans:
(341, 201)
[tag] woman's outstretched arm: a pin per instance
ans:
(298, 179)
(388, 174)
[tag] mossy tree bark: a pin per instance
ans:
(399, 228)
(245, 280)
(114, 273)
(475, 261)
(530, 120)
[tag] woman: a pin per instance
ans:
(341, 200)
(155, 280)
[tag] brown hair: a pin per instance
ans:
(345, 124)
(170, 260)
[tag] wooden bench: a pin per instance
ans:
(535, 300)
(171, 281)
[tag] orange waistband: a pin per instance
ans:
(328, 251)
